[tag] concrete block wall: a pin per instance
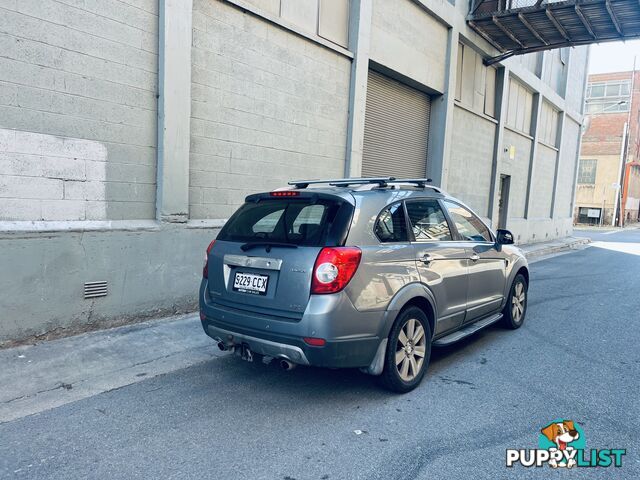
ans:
(471, 159)
(518, 168)
(78, 84)
(575, 79)
(268, 106)
(542, 182)
(410, 42)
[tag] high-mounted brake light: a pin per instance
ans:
(284, 193)
(205, 269)
(334, 269)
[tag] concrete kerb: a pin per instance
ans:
(534, 251)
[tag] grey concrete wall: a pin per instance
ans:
(82, 76)
(471, 159)
(268, 106)
(518, 169)
(406, 39)
(578, 66)
(150, 269)
(543, 181)
(555, 70)
(531, 62)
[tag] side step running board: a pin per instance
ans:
(467, 330)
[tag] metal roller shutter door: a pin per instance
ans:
(396, 129)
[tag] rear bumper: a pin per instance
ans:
(258, 345)
(334, 354)
(335, 322)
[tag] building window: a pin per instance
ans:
(608, 97)
(519, 108)
(548, 125)
(608, 89)
(587, 172)
(475, 83)
(328, 19)
(607, 107)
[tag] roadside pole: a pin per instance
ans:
(621, 165)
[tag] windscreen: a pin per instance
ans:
(303, 222)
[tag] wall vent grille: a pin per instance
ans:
(95, 289)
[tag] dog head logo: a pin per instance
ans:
(562, 436)
(561, 433)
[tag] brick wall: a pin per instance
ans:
(78, 109)
(567, 168)
(267, 106)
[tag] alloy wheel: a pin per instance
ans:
(410, 350)
(518, 302)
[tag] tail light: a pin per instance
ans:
(205, 269)
(334, 269)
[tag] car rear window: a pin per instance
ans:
(304, 222)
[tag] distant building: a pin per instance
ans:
(609, 170)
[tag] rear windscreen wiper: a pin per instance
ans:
(267, 244)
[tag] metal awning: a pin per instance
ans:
(515, 27)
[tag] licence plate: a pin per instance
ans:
(250, 283)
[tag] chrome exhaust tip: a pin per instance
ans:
(286, 365)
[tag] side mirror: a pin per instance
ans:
(504, 237)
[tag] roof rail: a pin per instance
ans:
(343, 182)
(380, 181)
(419, 182)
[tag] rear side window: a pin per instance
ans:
(297, 221)
(391, 225)
(428, 221)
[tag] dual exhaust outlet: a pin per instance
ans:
(247, 354)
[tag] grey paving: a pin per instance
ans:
(38, 377)
(576, 358)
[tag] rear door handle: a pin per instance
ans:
(426, 259)
(475, 257)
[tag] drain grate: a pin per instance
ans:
(95, 289)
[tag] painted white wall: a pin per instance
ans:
(48, 177)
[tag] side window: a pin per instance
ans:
(468, 225)
(391, 225)
(428, 221)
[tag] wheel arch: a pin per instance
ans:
(423, 304)
(413, 294)
(525, 273)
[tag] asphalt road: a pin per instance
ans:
(576, 357)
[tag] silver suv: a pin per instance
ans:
(358, 273)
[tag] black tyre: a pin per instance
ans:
(516, 307)
(408, 351)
